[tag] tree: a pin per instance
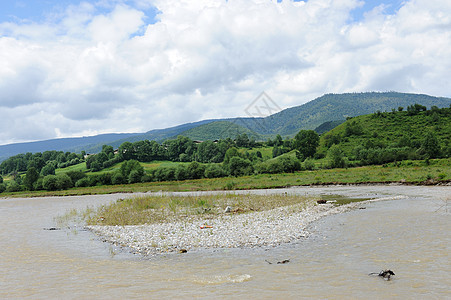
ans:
(126, 151)
(207, 152)
(48, 169)
(49, 183)
(195, 170)
(242, 140)
(232, 152)
(336, 157)
(431, 145)
(306, 142)
(31, 177)
(238, 166)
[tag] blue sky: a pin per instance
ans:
(41, 10)
(45, 10)
(72, 68)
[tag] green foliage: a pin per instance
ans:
(215, 171)
(282, 164)
(353, 128)
(48, 169)
(1, 179)
(56, 182)
(309, 164)
(336, 157)
(238, 166)
(13, 187)
(195, 170)
(306, 142)
(431, 145)
(232, 152)
(75, 175)
(30, 178)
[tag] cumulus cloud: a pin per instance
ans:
(118, 69)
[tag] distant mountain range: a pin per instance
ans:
(321, 114)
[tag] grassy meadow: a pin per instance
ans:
(408, 172)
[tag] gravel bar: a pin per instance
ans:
(228, 230)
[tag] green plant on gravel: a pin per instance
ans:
(160, 209)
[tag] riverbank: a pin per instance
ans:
(424, 173)
(268, 228)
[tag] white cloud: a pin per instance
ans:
(91, 72)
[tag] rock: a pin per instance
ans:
(285, 261)
(321, 201)
(52, 228)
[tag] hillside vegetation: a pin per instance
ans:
(392, 136)
(320, 114)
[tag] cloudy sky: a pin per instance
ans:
(75, 68)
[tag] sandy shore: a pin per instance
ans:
(266, 228)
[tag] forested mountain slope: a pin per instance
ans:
(332, 108)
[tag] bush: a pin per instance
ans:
(195, 170)
(239, 167)
(63, 182)
(181, 173)
(76, 175)
(84, 182)
(336, 157)
(135, 176)
(2, 187)
(13, 187)
(215, 171)
(117, 178)
(309, 164)
(49, 183)
(164, 174)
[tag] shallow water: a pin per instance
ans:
(408, 235)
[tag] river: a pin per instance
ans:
(409, 235)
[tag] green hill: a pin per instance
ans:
(395, 132)
(218, 130)
(332, 107)
(321, 114)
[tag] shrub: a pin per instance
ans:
(135, 176)
(84, 182)
(76, 175)
(215, 171)
(309, 164)
(195, 170)
(2, 187)
(117, 178)
(13, 187)
(49, 183)
(336, 157)
(238, 166)
(63, 182)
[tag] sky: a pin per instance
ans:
(76, 68)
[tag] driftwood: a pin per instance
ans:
(386, 274)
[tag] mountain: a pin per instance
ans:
(64, 144)
(331, 107)
(218, 130)
(326, 112)
(311, 115)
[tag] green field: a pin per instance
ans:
(407, 172)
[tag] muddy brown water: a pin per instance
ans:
(408, 234)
